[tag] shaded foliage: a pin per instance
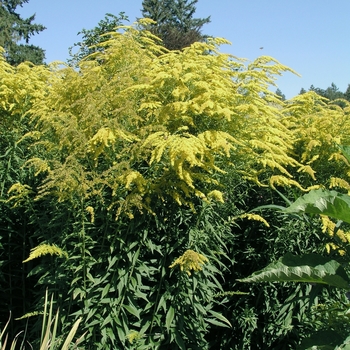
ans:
(14, 29)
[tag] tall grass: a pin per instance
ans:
(49, 336)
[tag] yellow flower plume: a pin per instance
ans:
(190, 260)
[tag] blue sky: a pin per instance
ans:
(310, 36)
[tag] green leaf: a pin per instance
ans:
(331, 203)
(215, 322)
(141, 295)
(221, 318)
(71, 335)
(169, 318)
(162, 303)
(311, 268)
(132, 309)
(179, 341)
(105, 290)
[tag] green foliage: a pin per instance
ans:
(330, 203)
(174, 22)
(332, 92)
(142, 163)
(315, 268)
(311, 268)
(49, 337)
(13, 28)
(92, 39)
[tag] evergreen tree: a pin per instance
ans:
(158, 10)
(280, 94)
(14, 29)
(175, 23)
(331, 93)
(347, 93)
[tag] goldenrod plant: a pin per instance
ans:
(141, 159)
(331, 270)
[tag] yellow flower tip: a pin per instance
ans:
(46, 249)
(132, 336)
(189, 261)
(216, 195)
(255, 217)
(91, 211)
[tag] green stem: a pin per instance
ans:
(83, 255)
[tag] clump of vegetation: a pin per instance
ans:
(140, 160)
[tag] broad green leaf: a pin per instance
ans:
(331, 203)
(311, 268)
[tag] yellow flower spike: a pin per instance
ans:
(255, 217)
(91, 211)
(190, 260)
(327, 225)
(216, 195)
(133, 336)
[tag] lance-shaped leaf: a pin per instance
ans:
(311, 268)
(330, 203)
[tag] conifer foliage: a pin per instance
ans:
(175, 24)
(13, 29)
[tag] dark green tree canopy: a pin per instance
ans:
(175, 23)
(14, 29)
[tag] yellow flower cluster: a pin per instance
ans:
(190, 260)
(337, 182)
(21, 193)
(45, 249)
(328, 226)
(255, 217)
(280, 180)
(91, 211)
(216, 195)
(133, 336)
